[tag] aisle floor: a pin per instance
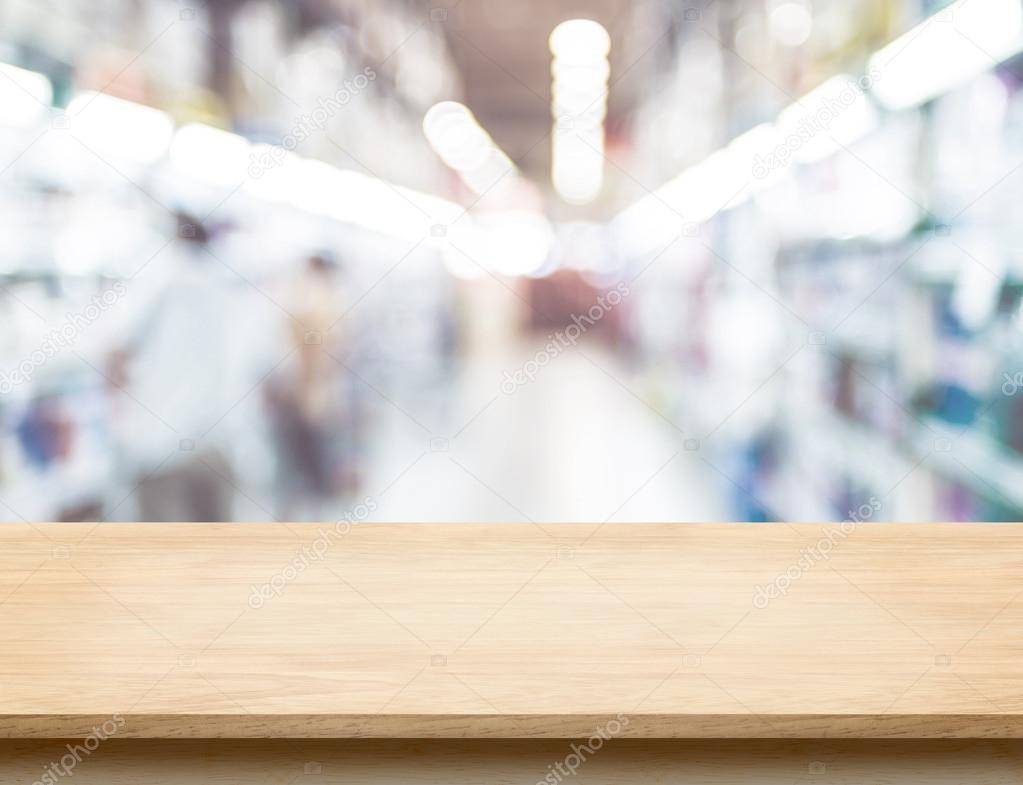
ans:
(576, 444)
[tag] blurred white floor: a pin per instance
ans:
(575, 444)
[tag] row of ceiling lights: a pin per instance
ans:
(946, 49)
(579, 71)
(943, 52)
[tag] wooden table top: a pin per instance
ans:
(472, 631)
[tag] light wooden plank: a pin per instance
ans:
(482, 630)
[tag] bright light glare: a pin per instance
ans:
(456, 136)
(835, 114)
(946, 50)
(24, 95)
(724, 179)
(210, 155)
(352, 197)
(463, 144)
(580, 104)
(518, 241)
(580, 41)
(791, 23)
(580, 72)
(226, 160)
(575, 75)
(577, 164)
(275, 174)
(506, 242)
(739, 174)
(114, 128)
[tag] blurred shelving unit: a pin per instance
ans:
(873, 292)
(245, 74)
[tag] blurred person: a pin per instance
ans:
(307, 407)
(182, 367)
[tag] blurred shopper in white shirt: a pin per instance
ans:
(182, 368)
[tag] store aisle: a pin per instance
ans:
(572, 445)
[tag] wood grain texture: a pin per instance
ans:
(470, 631)
(521, 762)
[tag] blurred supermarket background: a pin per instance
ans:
(511, 261)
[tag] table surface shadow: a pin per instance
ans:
(516, 762)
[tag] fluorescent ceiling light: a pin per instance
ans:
(516, 242)
(791, 22)
(274, 174)
(577, 164)
(946, 50)
(463, 144)
(24, 95)
(580, 72)
(739, 174)
(210, 155)
(829, 117)
(368, 202)
(502, 242)
(580, 41)
(225, 160)
(724, 179)
(569, 74)
(122, 129)
(118, 129)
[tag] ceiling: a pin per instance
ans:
(500, 49)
